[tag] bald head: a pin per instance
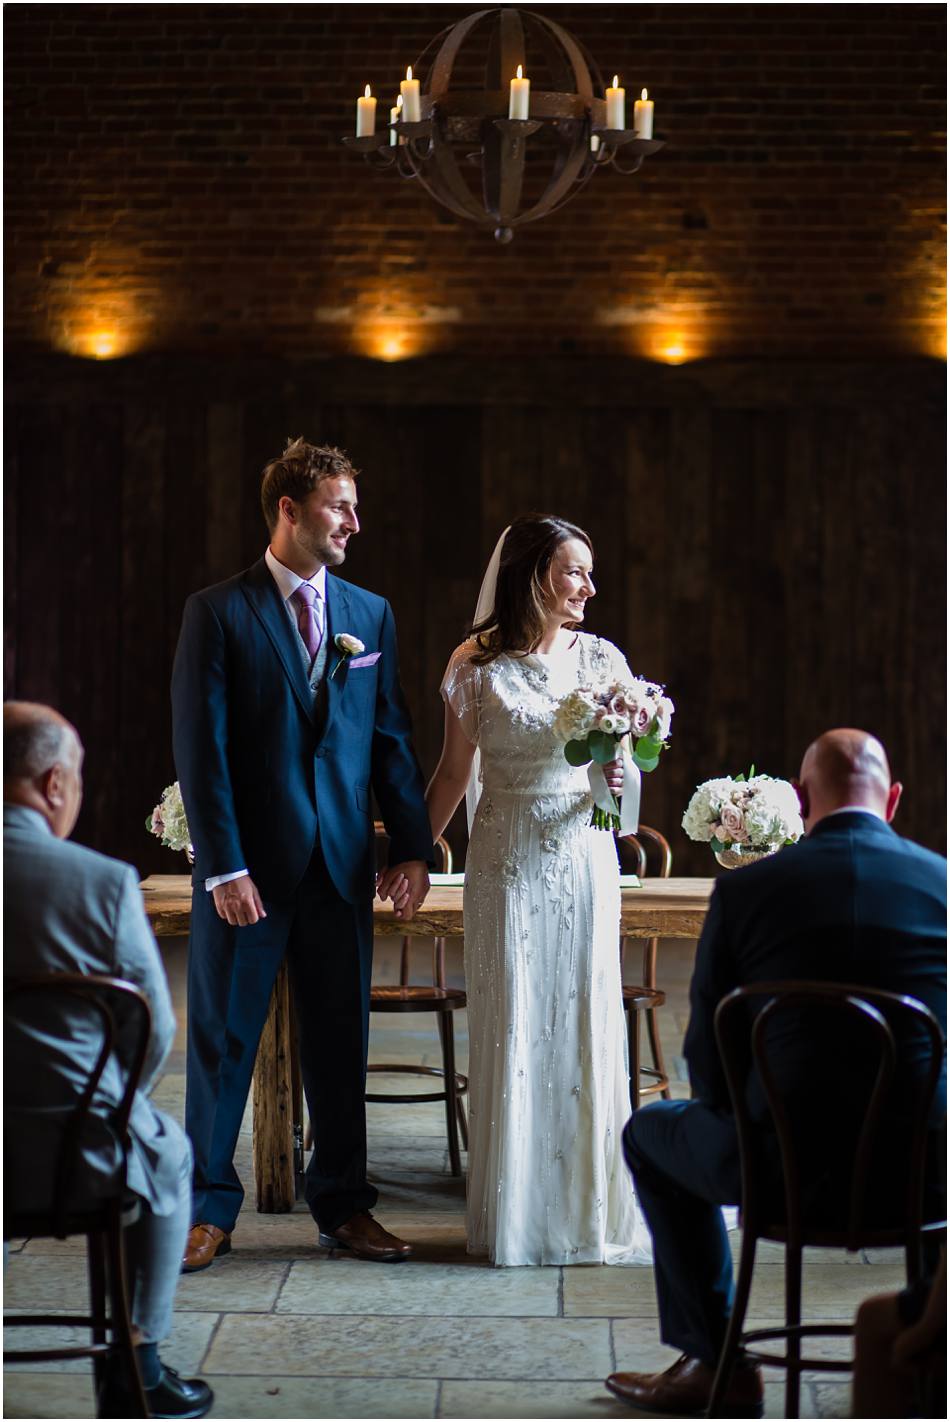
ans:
(42, 759)
(846, 767)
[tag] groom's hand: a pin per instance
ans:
(238, 902)
(406, 884)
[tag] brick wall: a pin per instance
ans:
(175, 181)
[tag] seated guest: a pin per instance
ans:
(70, 910)
(900, 1351)
(851, 902)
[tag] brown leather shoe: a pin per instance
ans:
(366, 1238)
(684, 1390)
(206, 1243)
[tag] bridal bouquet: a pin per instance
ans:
(168, 822)
(748, 815)
(594, 724)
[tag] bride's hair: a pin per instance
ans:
(516, 622)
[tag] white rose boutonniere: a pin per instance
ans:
(348, 646)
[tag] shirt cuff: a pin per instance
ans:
(223, 879)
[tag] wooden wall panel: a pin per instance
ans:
(768, 541)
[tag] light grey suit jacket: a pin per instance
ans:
(69, 909)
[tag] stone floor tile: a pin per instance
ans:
(833, 1398)
(605, 1291)
(278, 1396)
(352, 1286)
(48, 1395)
(184, 1350)
(355, 1346)
(44, 1283)
(637, 1347)
(234, 1284)
(537, 1399)
(830, 1291)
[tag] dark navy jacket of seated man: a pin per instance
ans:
(288, 716)
(850, 902)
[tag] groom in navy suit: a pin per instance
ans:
(852, 902)
(288, 715)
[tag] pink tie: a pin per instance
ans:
(311, 630)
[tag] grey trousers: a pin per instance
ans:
(155, 1246)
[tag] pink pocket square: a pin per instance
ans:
(369, 660)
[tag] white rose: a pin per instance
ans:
(349, 644)
(664, 715)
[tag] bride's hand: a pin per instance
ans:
(613, 774)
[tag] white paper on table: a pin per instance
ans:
(630, 881)
(447, 881)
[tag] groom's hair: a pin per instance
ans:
(298, 471)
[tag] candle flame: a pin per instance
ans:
(409, 72)
(616, 81)
(366, 92)
(643, 93)
(519, 74)
(399, 102)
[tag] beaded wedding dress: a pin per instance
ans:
(549, 1093)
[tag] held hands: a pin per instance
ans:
(238, 902)
(613, 774)
(407, 884)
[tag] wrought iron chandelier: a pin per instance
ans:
(466, 137)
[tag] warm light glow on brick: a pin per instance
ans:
(389, 342)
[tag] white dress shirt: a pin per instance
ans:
(287, 584)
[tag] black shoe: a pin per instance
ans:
(175, 1396)
(172, 1396)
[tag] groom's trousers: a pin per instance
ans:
(329, 947)
(684, 1158)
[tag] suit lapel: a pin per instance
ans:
(264, 597)
(338, 608)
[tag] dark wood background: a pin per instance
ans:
(769, 541)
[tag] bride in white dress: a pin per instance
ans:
(547, 1070)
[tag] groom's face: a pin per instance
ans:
(326, 520)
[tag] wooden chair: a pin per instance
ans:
(886, 1020)
(648, 998)
(435, 998)
(102, 1222)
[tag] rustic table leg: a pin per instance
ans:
(274, 1106)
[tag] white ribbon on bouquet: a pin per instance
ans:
(629, 808)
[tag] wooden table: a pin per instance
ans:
(662, 908)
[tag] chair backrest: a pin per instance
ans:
(884, 1022)
(117, 1009)
(643, 850)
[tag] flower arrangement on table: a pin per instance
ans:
(169, 823)
(597, 724)
(744, 818)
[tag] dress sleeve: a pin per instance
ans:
(461, 689)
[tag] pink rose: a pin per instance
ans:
(732, 823)
(158, 821)
(618, 705)
(641, 718)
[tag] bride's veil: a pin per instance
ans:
(483, 609)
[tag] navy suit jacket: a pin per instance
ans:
(261, 778)
(852, 902)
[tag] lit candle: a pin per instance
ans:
(643, 116)
(393, 116)
(520, 97)
(594, 142)
(409, 89)
(617, 105)
(366, 115)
